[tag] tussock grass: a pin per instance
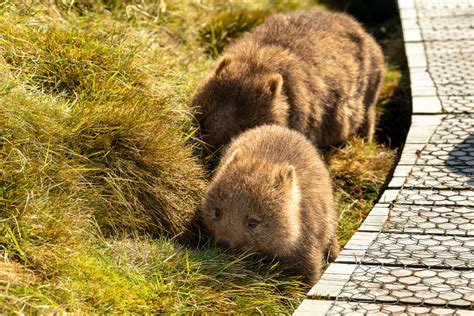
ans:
(119, 133)
(231, 22)
(98, 182)
(227, 26)
(359, 173)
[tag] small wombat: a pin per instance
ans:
(272, 194)
(314, 71)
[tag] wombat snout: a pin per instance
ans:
(223, 242)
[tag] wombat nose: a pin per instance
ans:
(223, 243)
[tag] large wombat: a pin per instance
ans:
(314, 71)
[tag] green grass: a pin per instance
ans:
(98, 181)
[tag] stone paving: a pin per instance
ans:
(414, 254)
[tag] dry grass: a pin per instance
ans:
(98, 180)
(359, 171)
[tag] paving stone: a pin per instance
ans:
(432, 176)
(367, 283)
(417, 219)
(438, 28)
(442, 70)
(430, 8)
(446, 220)
(450, 66)
(454, 129)
(451, 144)
(404, 249)
(330, 307)
(435, 197)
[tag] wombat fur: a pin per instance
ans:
(315, 71)
(272, 194)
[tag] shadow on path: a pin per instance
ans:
(461, 159)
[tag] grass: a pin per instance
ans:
(98, 181)
(359, 171)
(227, 26)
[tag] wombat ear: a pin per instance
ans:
(286, 175)
(275, 83)
(221, 64)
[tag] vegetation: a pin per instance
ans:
(98, 180)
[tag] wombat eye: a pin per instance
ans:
(252, 223)
(217, 213)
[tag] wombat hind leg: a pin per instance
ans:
(313, 270)
(333, 250)
(367, 129)
(312, 266)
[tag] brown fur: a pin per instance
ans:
(275, 176)
(314, 71)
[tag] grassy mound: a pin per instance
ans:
(99, 119)
(98, 181)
